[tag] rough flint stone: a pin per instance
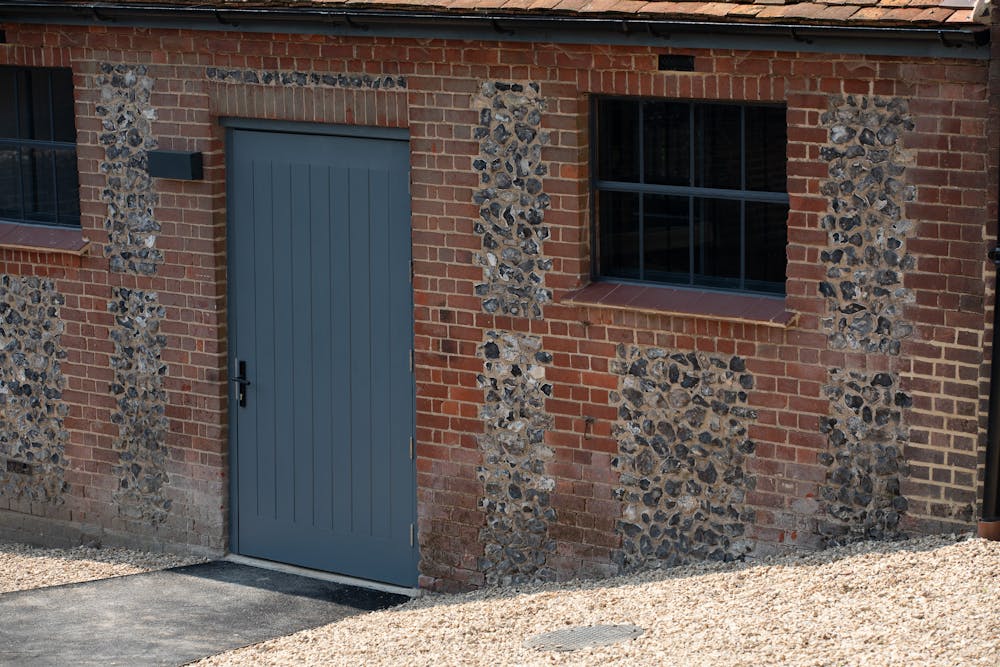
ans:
(508, 115)
(517, 503)
(840, 134)
(680, 530)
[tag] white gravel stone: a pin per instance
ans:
(23, 567)
(930, 601)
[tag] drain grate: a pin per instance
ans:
(572, 639)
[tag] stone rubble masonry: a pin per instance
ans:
(867, 436)
(273, 78)
(683, 437)
(866, 264)
(516, 539)
(512, 204)
(127, 116)
(867, 257)
(141, 404)
(32, 435)
(127, 137)
(951, 164)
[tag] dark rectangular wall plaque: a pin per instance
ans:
(179, 165)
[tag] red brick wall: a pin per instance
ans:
(952, 167)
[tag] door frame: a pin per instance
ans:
(229, 125)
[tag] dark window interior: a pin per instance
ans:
(38, 168)
(691, 193)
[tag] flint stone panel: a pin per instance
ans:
(866, 259)
(866, 434)
(126, 136)
(32, 436)
(511, 201)
(141, 403)
(683, 442)
(313, 79)
(516, 543)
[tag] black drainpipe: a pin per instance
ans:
(989, 524)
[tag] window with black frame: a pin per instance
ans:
(38, 169)
(691, 193)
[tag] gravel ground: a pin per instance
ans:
(23, 568)
(929, 601)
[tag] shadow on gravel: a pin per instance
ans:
(170, 617)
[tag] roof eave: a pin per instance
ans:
(877, 38)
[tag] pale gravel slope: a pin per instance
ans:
(930, 601)
(23, 567)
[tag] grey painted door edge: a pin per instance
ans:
(286, 128)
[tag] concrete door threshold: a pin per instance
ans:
(322, 576)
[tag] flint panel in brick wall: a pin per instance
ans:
(516, 501)
(126, 136)
(140, 405)
(512, 204)
(296, 78)
(682, 434)
(867, 434)
(32, 437)
(866, 222)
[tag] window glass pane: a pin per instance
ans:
(68, 187)
(667, 143)
(765, 145)
(37, 185)
(63, 110)
(667, 239)
(8, 108)
(619, 254)
(716, 152)
(717, 242)
(766, 232)
(10, 193)
(40, 114)
(618, 140)
(22, 100)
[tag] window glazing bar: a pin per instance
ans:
(20, 132)
(52, 158)
(743, 203)
(641, 112)
(37, 143)
(685, 191)
(692, 140)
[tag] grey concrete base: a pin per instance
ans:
(170, 617)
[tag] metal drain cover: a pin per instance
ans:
(571, 639)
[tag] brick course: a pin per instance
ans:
(953, 168)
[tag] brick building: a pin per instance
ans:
(479, 292)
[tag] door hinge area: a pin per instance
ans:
(411, 447)
(411, 534)
(411, 359)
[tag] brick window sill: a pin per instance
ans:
(696, 303)
(35, 238)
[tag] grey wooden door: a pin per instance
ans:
(321, 328)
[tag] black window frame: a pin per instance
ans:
(690, 191)
(58, 177)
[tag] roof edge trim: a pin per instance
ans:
(969, 42)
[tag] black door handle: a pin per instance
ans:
(241, 383)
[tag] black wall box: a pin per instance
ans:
(179, 165)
